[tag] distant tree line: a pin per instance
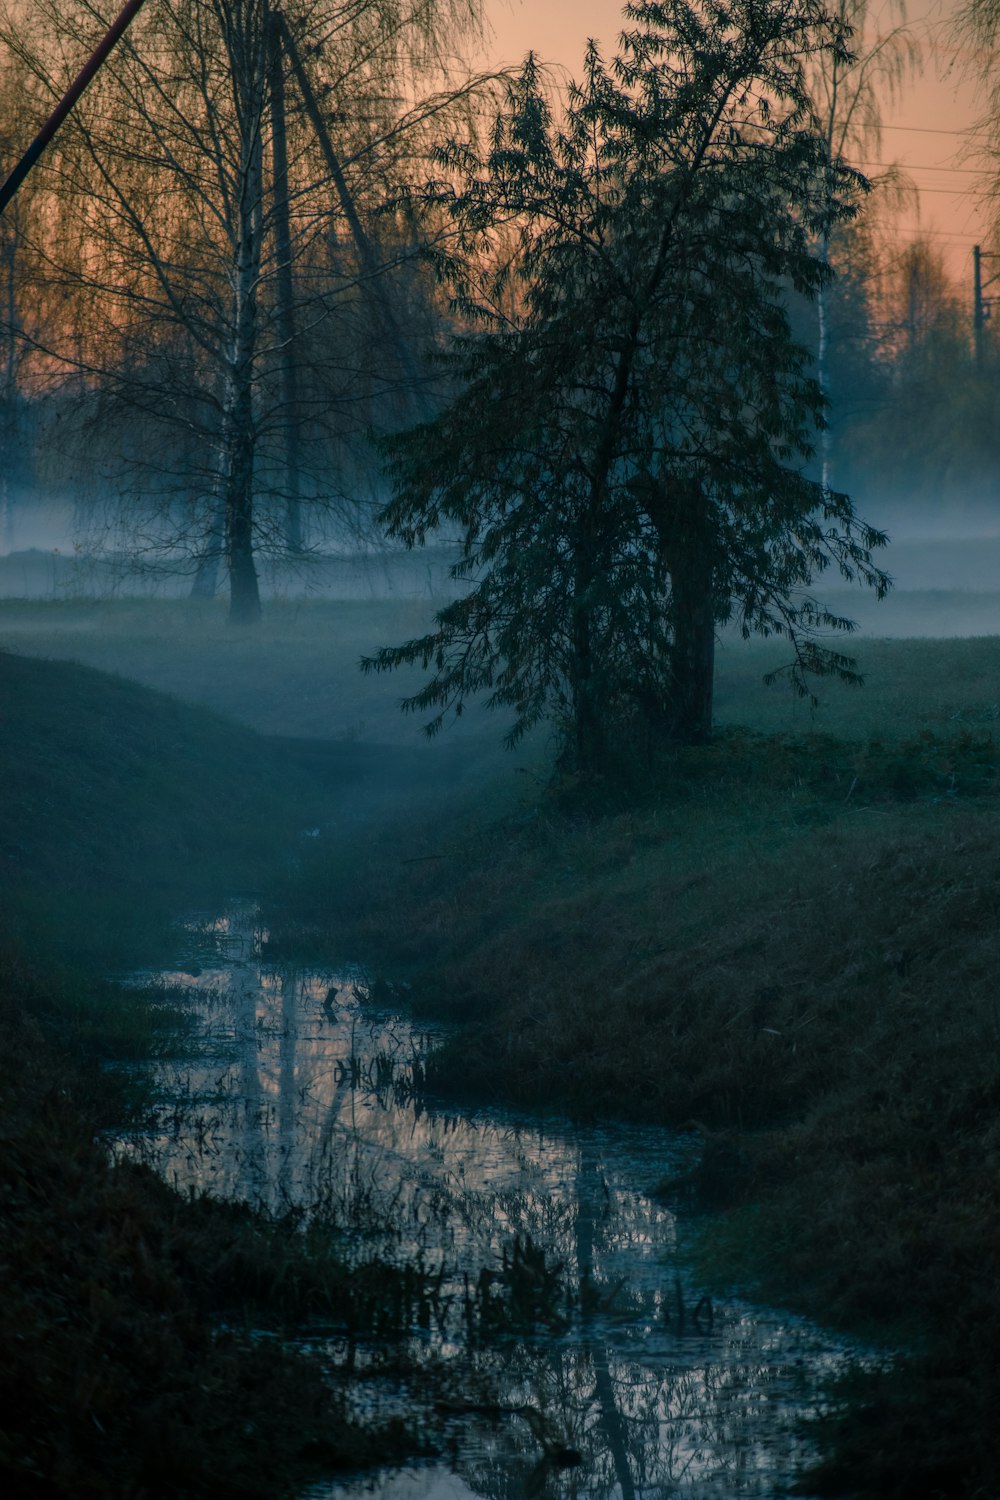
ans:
(915, 414)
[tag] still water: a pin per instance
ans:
(300, 1091)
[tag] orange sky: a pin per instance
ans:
(922, 132)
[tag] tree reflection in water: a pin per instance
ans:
(590, 1384)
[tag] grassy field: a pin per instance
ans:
(787, 941)
(298, 674)
(794, 954)
(295, 675)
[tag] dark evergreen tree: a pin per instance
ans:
(624, 450)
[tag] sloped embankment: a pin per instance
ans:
(120, 806)
(793, 946)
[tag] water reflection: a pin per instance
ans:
(300, 1094)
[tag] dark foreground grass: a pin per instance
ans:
(792, 946)
(143, 1350)
(127, 1365)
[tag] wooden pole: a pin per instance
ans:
(369, 260)
(85, 76)
(978, 318)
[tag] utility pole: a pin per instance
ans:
(370, 265)
(981, 304)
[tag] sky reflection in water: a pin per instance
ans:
(295, 1102)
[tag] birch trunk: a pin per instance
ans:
(238, 423)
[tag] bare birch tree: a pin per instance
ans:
(217, 239)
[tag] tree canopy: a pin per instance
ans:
(623, 450)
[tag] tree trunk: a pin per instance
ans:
(285, 289)
(239, 437)
(823, 370)
(692, 665)
(12, 463)
(244, 593)
(590, 746)
(238, 444)
(686, 540)
(589, 737)
(372, 278)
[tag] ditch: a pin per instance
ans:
(557, 1343)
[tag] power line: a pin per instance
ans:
(915, 166)
(918, 232)
(957, 192)
(931, 130)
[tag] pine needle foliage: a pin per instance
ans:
(623, 452)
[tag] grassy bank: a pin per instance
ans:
(129, 1365)
(122, 806)
(786, 941)
(789, 944)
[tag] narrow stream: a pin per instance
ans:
(292, 1096)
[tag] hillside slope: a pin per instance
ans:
(122, 806)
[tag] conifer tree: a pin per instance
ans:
(623, 451)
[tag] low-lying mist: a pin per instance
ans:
(944, 560)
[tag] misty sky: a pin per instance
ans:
(920, 132)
